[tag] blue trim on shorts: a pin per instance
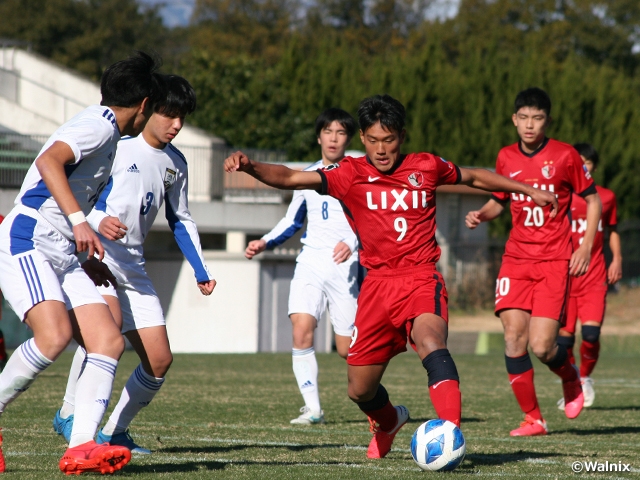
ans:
(21, 234)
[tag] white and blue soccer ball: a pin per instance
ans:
(438, 446)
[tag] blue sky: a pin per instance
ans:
(178, 12)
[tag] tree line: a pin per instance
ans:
(264, 69)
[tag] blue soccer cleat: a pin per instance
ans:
(122, 439)
(63, 426)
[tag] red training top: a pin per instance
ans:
(597, 273)
(555, 167)
(392, 213)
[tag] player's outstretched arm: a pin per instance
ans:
(581, 258)
(492, 182)
(277, 176)
(51, 167)
(614, 273)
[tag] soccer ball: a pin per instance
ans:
(438, 445)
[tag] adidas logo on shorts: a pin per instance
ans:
(133, 169)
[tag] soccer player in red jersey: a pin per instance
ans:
(389, 200)
(532, 285)
(588, 293)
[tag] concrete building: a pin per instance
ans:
(248, 310)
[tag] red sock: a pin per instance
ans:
(447, 400)
(588, 357)
(386, 417)
(566, 372)
(525, 392)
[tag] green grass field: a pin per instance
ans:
(227, 416)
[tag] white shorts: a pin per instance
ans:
(318, 280)
(38, 263)
(138, 299)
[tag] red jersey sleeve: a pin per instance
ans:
(337, 178)
(500, 197)
(579, 177)
(448, 172)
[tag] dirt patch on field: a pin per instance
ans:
(622, 316)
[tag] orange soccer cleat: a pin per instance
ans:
(381, 442)
(91, 457)
(530, 427)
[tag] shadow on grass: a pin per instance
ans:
(600, 431)
(234, 448)
(213, 465)
(630, 408)
(477, 459)
(463, 421)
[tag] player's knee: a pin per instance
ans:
(376, 400)
(161, 366)
(543, 349)
(361, 392)
(54, 342)
(590, 333)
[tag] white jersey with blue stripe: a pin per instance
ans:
(326, 223)
(142, 179)
(93, 136)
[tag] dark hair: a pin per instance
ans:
(384, 109)
(180, 99)
(127, 82)
(533, 97)
(331, 115)
(589, 152)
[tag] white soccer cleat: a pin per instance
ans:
(309, 417)
(588, 391)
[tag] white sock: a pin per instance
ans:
(305, 368)
(68, 406)
(92, 396)
(137, 394)
(21, 370)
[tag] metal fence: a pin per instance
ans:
(207, 180)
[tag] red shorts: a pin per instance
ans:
(540, 288)
(389, 301)
(589, 306)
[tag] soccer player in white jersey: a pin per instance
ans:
(147, 172)
(41, 276)
(327, 269)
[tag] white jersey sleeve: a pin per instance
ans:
(142, 179)
(183, 227)
(92, 136)
(290, 224)
(326, 222)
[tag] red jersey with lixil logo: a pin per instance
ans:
(393, 213)
(597, 273)
(555, 167)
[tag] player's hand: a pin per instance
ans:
(543, 198)
(207, 287)
(99, 273)
(237, 161)
(87, 240)
(579, 263)
(341, 252)
(255, 247)
(112, 228)
(472, 220)
(614, 273)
